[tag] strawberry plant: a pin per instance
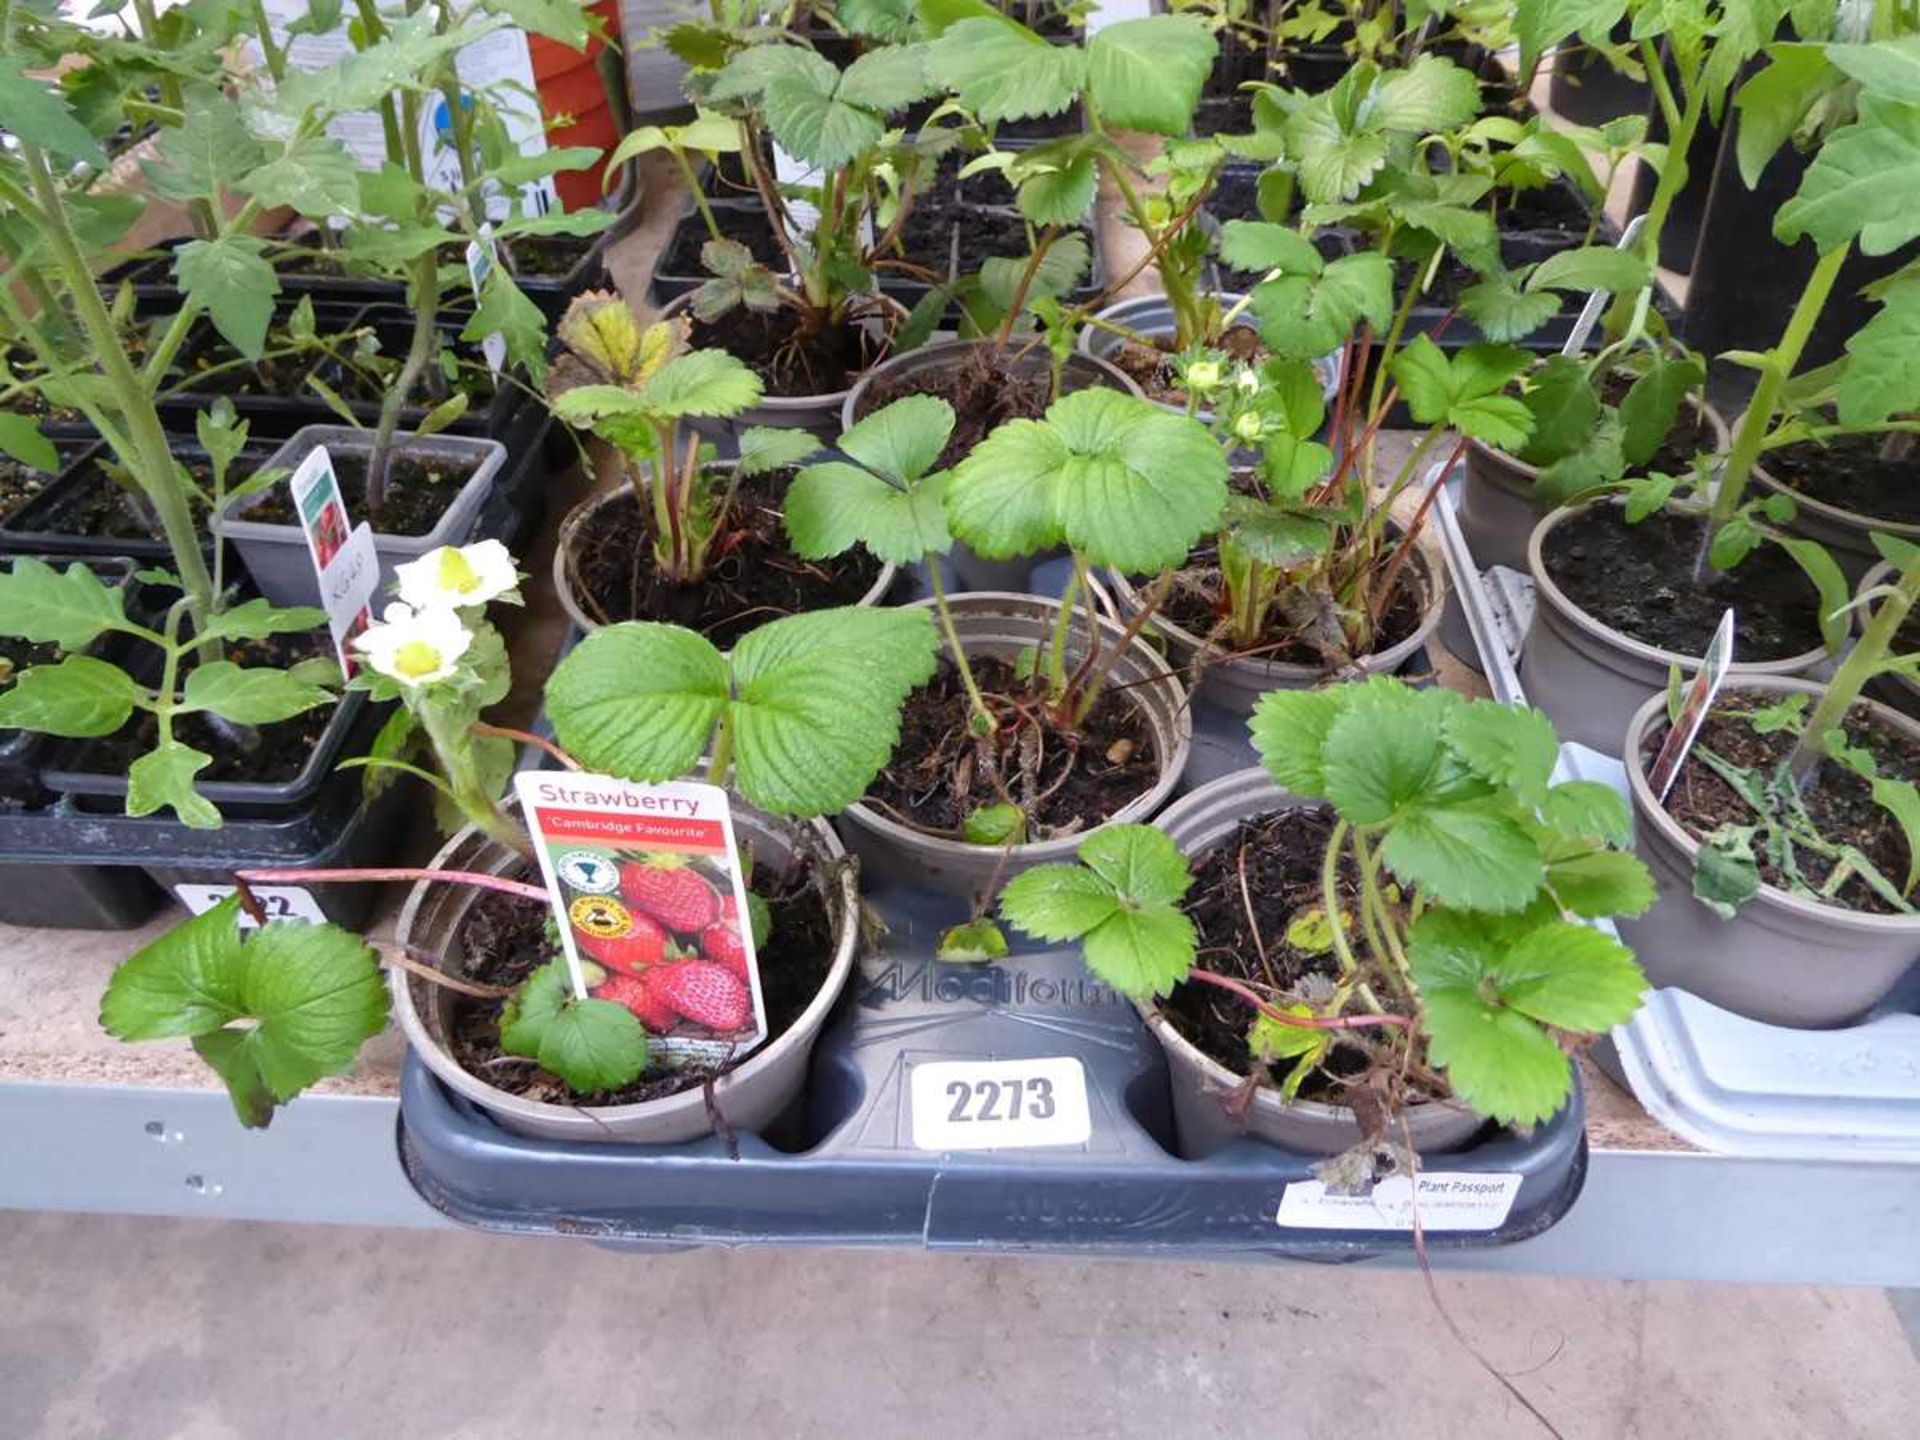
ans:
(1456, 879)
(633, 385)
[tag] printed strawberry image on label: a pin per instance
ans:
(649, 885)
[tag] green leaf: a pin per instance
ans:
(1564, 407)
(1289, 730)
(886, 79)
(971, 943)
(563, 23)
(1726, 873)
(1572, 977)
(1889, 69)
(1146, 74)
(901, 440)
(1057, 902)
(818, 128)
(210, 145)
(1121, 480)
(20, 437)
(232, 280)
(505, 310)
(1601, 883)
(1460, 391)
(249, 696)
(1302, 318)
(81, 697)
(70, 608)
(1333, 163)
(1143, 866)
(1902, 801)
(1061, 196)
(1653, 406)
(318, 178)
(818, 703)
(1475, 859)
(881, 19)
(1861, 183)
(303, 997)
(1257, 245)
(1141, 953)
(706, 383)
(1500, 311)
(1590, 809)
(1434, 95)
(532, 1007)
(1835, 593)
(164, 777)
(1511, 745)
(1594, 267)
(995, 825)
(764, 448)
(593, 1045)
(1381, 753)
(388, 248)
(35, 112)
(1002, 71)
(638, 700)
(256, 619)
(833, 506)
(1773, 103)
(1882, 376)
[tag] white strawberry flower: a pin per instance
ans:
(1247, 380)
(415, 647)
(458, 577)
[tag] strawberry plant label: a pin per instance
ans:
(279, 902)
(344, 559)
(1448, 1200)
(999, 1104)
(651, 901)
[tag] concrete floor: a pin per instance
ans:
(131, 1329)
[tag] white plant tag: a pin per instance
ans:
(999, 1104)
(480, 263)
(1693, 709)
(1449, 1200)
(1596, 305)
(647, 889)
(345, 561)
(279, 902)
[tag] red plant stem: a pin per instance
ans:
(452, 877)
(1305, 1022)
(1384, 591)
(527, 737)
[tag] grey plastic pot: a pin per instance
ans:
(1588, 677)
(1201, 1085)
(817, 414)
(1236, 684)
(750, 1096)
(999, 626)
(582, 515)
(276, 554)
(971, 570)
(1895, 690)
(1497, 510)
(1845, 533)
(1781, 960)
(1152, 316)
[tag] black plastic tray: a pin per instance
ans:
(23, 530)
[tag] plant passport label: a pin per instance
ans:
(999, 1104)
(1693, 709)
(1448, 1200)
(649, 896)
(344, 560)
(280, 902)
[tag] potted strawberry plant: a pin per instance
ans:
(688, 539)
(1376, 939)
(1045, 719)
(479, 989)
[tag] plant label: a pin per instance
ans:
(1693, 709)
(650, 897)
(1447, 1200)
(280, 902)
(999, 1104)
(480, 263)
(1596, 305)
(345, 560)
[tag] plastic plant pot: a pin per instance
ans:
(995, 625)
(1589, 678)
(1780, 959)
(57, 895)
(1152, 316)
(276, 554)
(820, 413)
(581, 519)
(1236, 683)
(1201, 1085)
(749, 1096)
(743, 220)
(36, 526)
(1847, 534)
(1081, 372)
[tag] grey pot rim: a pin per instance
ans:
(1770, 897)
(1548, 591)
(936, 351)
(1169, 1035)
(891, 313)
(576, 520)
(1036, 852)
(421, 1039)
(1519, 476)
(1836, 515)
(352, 440)
(1433, 608)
